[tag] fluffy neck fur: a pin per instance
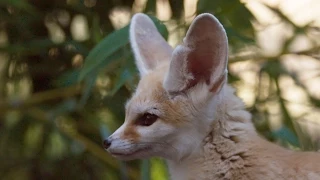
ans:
(227, 139)
(233, 150)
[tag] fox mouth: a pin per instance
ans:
(128, 154)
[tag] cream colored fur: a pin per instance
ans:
(203, 129)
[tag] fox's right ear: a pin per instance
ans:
(201, 58)
(148, 46)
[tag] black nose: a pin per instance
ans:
(106, 143)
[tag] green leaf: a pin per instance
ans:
(66, 106)
(121, 80)
(234, 35)
(161, 27)
(234, 16)
(124, 170)
(126, 74)
(107, 51)
(89, 84)
(67, 79)
(287, 135)
(95, 30)
(103, 50)
(274, 68)
(287, 119)
(150, 7)
(158, 168)
(145, 169)
(104, 131)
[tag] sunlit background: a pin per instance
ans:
(66, 69)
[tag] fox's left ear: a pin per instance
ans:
(201, 58)
(149, 47)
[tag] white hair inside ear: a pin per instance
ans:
(149, 47)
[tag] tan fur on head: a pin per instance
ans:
(183, 111)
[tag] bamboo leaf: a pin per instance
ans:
(145, 169)
(103, 52)
(234, 16)
(287, 135)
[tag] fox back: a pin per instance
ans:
(184, 111)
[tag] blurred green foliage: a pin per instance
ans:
(61, 95)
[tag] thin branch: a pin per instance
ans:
(40, 97)
(257, 57)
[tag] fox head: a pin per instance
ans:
(175, 103)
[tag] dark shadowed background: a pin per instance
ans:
(66, 70)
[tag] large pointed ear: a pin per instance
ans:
(149, 47)
(201, 58)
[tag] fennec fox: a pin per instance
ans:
(184, 111)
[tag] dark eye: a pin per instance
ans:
(146, 119)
